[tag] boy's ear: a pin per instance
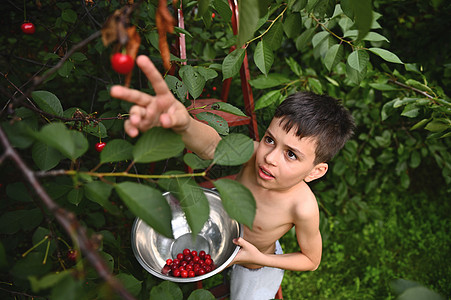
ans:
(318, 171)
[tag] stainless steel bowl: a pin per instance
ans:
(151, 249)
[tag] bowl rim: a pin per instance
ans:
(179, 279)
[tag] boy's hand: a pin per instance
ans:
(248, 253)
(150, 111)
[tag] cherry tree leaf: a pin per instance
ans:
(233, 150)
(263, 57)
(157, 144)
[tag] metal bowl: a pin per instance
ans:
(152, 249)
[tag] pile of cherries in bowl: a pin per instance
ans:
(189, 264)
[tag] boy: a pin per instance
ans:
(306, 131)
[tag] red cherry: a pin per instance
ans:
(213, 15)
(176, 273)
(208, 261)
(194, 253)
(28, 28)
(207, 256)
(186, 252)
(72, 254)
(184, 274)
(180, 257)
(214, 88)
(169, 261)
(202, 254)
(122, 63)
(191, 274)
(100, 146)
(201, 272)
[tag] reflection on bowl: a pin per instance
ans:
(151, 249)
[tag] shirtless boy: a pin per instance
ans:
(306, 132)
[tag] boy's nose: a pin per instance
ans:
(271, 158)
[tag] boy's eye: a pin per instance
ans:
(291, 155)
(269, 140)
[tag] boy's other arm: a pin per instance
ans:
(309, 240)
(165, 111)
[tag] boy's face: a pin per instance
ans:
(283, 160)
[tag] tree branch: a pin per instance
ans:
(67, 220)
(411, 88)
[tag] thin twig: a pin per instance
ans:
(411, 88)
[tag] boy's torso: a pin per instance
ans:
(276, 210)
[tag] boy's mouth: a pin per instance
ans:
(265, 174)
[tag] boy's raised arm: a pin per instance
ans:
(162, 109)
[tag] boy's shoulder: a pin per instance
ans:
(305, 205)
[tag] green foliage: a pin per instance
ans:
(383, 202)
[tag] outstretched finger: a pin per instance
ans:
(130, 95)
(152, 73)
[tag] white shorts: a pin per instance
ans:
(255, 284)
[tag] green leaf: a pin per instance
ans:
(201, 295)
(194, 81)
(99, 192)
(195, 162)
(30, 265)
(66, 69)
(147, 204)
(294, 66)
(72, 144)
(232, 63)
(75, 196)
(69, 15)
(411, 111)
(48, 102)
(20, 134)
(202, 7)
(273, 38)
(233, 150)
(358, 60)
(333, 56)
(130, 283)
(315, 84)
(386, 55)
(47, 281)
(13, 221)
(116, 150)
(375, 37)
(319, 37)
(223, 8)
(292, 25)
(268, 99)
(270, 81)
(44, 156)
(166, 290)
(263, 57)
(249, 14)
(304, 39)
(192, 199)
(177, 87)
(237, 200)
(157, 144)
(420, 124)
(353, 75)
(363, 16)
(215, 121)
(97, 130)
(437, 125)
(78, 56)
(227, 107)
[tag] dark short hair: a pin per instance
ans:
(318, 116)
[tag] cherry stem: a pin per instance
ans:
(35, 246)
(46, 252)
(65, 243)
